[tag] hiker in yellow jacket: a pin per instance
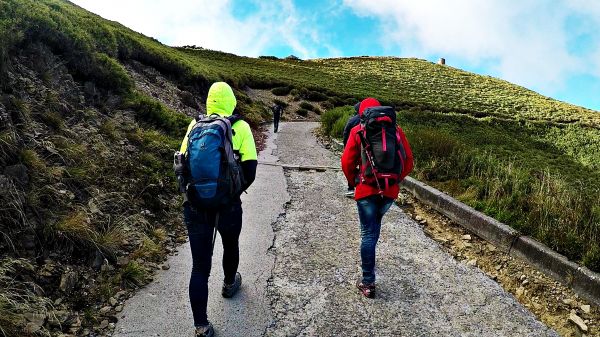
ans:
(200, 222)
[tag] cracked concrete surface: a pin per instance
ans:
(422, 291)
(300, 260)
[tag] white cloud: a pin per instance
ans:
(525, 41)
(211, 24)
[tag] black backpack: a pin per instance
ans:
(383, 154)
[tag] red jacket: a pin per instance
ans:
(351, 160)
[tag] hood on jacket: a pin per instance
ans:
(367, 103)
(220, 100)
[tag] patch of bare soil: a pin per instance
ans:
(553, 303)
(289, 113)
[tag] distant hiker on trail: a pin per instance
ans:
(351, 123)
(277, 111)
(218, 163)
(376, 159)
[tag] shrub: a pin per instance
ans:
(316, 96)
(307, 106)
(330, 117)
(281, 91)
(154, 112)
(336, 102)
(281, 103)
(302, 112)
(327, 105)
(338, 127)
(268, 57)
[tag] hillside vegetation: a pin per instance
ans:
(91, 112)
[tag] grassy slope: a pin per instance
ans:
(500, 147)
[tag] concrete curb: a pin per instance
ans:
(583, 281)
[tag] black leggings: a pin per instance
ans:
(200, 225)
(276, 116)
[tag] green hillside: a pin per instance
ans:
(86, 152)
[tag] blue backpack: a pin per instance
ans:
(215, 174)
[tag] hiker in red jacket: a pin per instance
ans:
(376, 159)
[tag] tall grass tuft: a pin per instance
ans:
(335, 116)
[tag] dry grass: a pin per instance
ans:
(17, 298)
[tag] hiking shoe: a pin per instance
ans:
(368, 290)
(349, 193)
(230, 289)
(205, 331)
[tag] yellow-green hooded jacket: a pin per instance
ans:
(221, 101)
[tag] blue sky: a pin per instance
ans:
(550, 46)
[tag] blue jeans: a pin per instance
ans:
(200, 225)
(370, 212)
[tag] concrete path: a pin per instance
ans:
(304, 284)
(163, 309)
(422, 291)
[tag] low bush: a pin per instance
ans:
(281, 91)
(302, 112)
(280, 103)
(154, 112)
(307, 106)
(316, 96)
(331, 117)
(327, 105)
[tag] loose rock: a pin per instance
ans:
(586, 308)
(68, 281)
(573, 318)
(105, 310)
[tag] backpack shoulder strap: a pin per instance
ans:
(235, 118)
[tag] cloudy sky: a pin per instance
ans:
(550, 46)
